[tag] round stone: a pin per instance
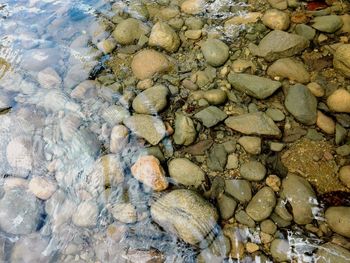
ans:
(215, 52)
(262, 204)
(253, 171)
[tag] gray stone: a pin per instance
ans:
(280, 250)
(338, 219)
(20, 212)
(305, 31)
(242, 217)
(150, 128)
(289, 68)
(115, 114)
(253, 171)
(299, 193)
(279, 44)
(255, 86)
(275, 114)
(217, 158)
(185, 132)
(268, 226)
(210, 116)
(215, 52)
(329, 253)
(328, 24)
(262, 204)
(239, 189)
(257, 123)
(343, 150)
(186, 214)
(301, 104)
(227, 206)
(184, 172)
(340, 133)
(250, 144)
(152, 100)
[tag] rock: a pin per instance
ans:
(250, 144)
(227, 206)
(162, 35)
(20, 212)
(216, 252)
(152, 100)
(193, 7)
(330, 252)
(276, 146)
(107, 45)
(256, 123)
(338, 219)
(115, 114)
(217, 158)
(255, 86)
(119, 138)
(86, 214)
(289, 68)
(124, 212)
(128, 31)
(147, 63)
(199, 148)
(253, 171)
(251, 247)
(339, 101)
(279, 44)
(276, 19)
(42, 187)
(341, 60)
(325, 123)
(340, 133)
(242, 217)
(215, 52)
(344, 175)
(301, 104)
(150, 128)
(210, 116)
(237, 246)
(147, 169)
(305, 31)
(328, 24)
(268, 226)
(262, 204)
(184, 172)
(196, 220)
(316, 89)
(299, 193)
(280, 250)
(193, 34)
(239, 189)
(185, 132)
(274, 182)
(48, 78)
(215, 96)
(278, 4)
(232, 161)
(275, 114)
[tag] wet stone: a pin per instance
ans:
(217, 158)
(184, 172)
(86, 214)
(210, 116)
(151, 101)
(280, 250)
(262, 204)
(253, 171)
(239, 189)
(330, 252)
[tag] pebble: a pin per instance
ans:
(128, 31)
(276, 146)
(280, 250)
(124, 212)
(162, 35)
(185, 172)
(239, 189)
(144, 84)
(147, 169)
(232, 161)
(316, 89)
(299, 193)
(251, 247)
(193, 34)
(150, 128)
(193, 224)
(255, 86)
(268, 226)
(242, 217)
(215, 52)
(289, 68)
(340, 133)
(42, 187)
(305, 31)
(301, 104)
(275, 114)
(338, 219)
(185, 132)
(216, 252)
(341, 60)
(210, 116)
(262, 204)
(152, 100)
(115, 114)
(250, 144)
(217, 158)
(237, 246)
(215, 96)
(330, 252)
(227, 206)
(147, 63)
(257, 123)
(274, 182)
(339, 101)
(48, 78)
(86, 214)
(193, 7)
(325, 123)
(119, 138)
(276, 19)
(344, 175)
(328, 24)
(278, 4)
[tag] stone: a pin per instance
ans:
(193, 7)
(48, 78)
(185, 132)
(185, 172)
(147, 63)
(305, 31)
(215, 52)
(330, 252)
(115, 114)
(251, 247)
(268, 226)
(255, 86)
(340, 133)
(127, 31)
(86, 214)
(43, 188)
(299, 193)
(237, 246)
(279, 44)
(216, 252)
(301, 104)
(242, 217)
(210, 116)
(339, 101)
(232, 161)
(341, 60)
(274, 182)
(253, 171)
(338, 219)
(196, 220)
(344, 175)
(327, 24)
(227, 206)
(119, 138)
(152, 100)
(193, 34)
(250, 144)
(162, 35)
(239, 189)
(325, 123)
(343, 150)
(147, 170)
(278, 4)
(280, 250)
(316, 89)
(275, 114)
(276, 146)
(215, 96)
(257, 123)
(124, 212)
(276, 19)
(20, 212)
(289, 68)
(150, 128)
(217, 158)
(262, 204)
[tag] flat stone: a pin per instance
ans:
(185, 132)
(184, 172)
(328, 24)
(210, 116)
